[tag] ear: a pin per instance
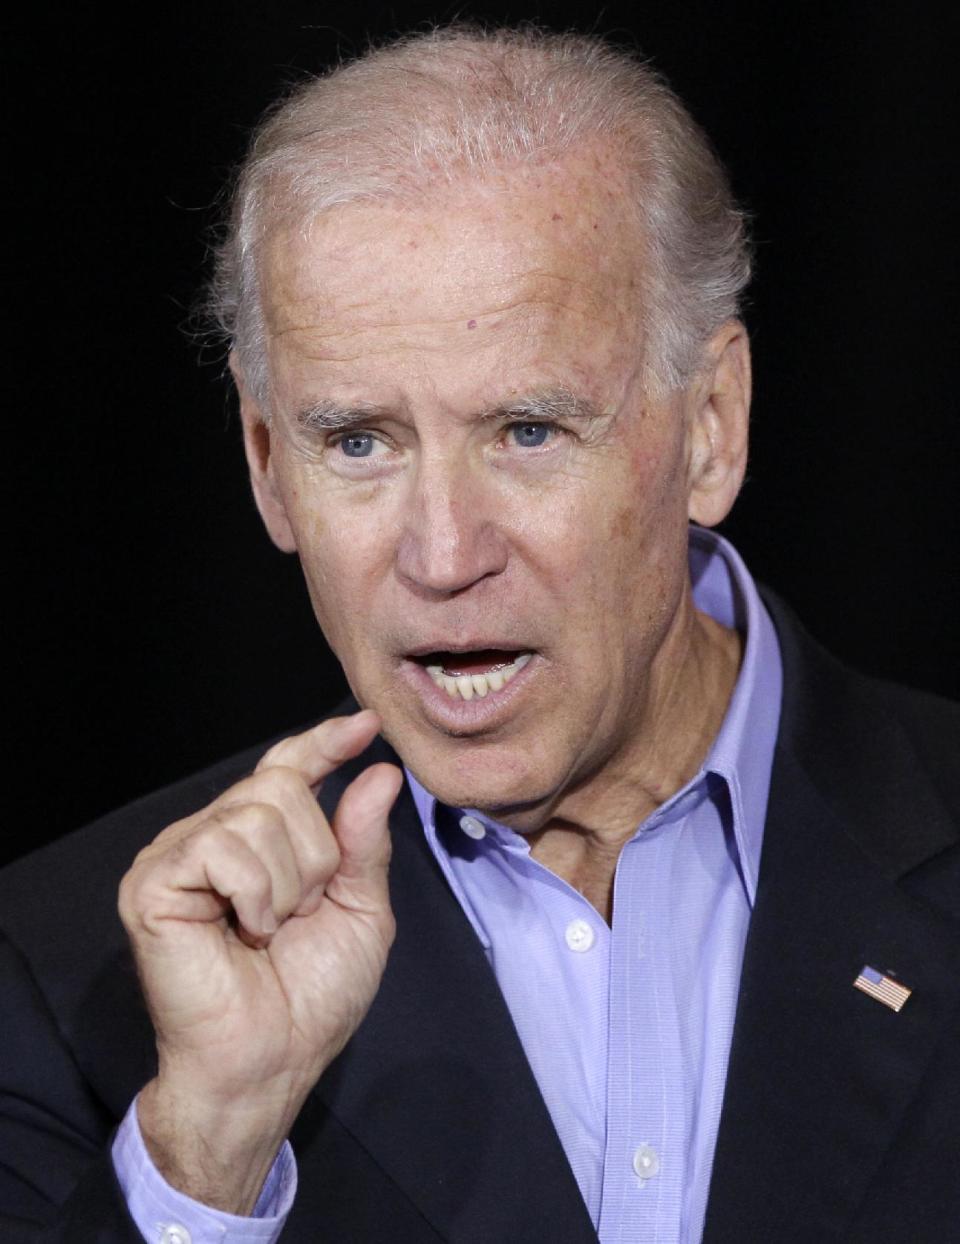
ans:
(258, 447)
(719, 426)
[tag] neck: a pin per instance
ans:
(682, 712)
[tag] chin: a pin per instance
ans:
(494, 778)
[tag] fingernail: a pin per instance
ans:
(268, 922)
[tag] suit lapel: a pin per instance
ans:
(820, 1074)
(435, 1084)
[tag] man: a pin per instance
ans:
(674, 896)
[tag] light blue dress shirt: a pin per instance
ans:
(626, 1027)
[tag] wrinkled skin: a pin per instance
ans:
(430, 319)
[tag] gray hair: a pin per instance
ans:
(464, 100)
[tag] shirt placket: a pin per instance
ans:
(643, 1176)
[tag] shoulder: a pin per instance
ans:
(883, 758)
(827, 705)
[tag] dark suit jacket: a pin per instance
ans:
(841, 1117)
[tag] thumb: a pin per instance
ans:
(360, 828)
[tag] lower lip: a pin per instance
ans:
(458, 716)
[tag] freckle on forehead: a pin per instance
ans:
(556, 216)
(471, 323)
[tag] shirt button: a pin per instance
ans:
(473, 828)
(579, 935)
(646, 1161)
(175, 1234)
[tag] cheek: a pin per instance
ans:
(643, 502)
(346, 554)
(623, 525)
(311, 531)
(644, 553)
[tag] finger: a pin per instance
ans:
(240, 875)
(199, 878)
(310, 837)
(319, 751)
(360, 826)
(265, 830)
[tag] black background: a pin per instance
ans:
(155, 627)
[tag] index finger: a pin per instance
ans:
(324, 747)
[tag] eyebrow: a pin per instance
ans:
(551, 405)
(544, 407)
(329, 416)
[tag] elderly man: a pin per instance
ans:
(675, 935)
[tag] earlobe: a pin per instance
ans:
(719, 427)
(259, 450)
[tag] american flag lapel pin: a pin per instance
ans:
(884, 988)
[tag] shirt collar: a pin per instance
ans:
(742, 752)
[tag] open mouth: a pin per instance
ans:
(473, 675)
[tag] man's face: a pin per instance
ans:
(462, 455)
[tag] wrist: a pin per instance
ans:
(216, 1152)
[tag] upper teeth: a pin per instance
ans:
(466, 686)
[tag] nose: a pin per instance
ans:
(450, 538)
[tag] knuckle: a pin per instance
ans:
(218, 836)
(213, 839)
(279, 784)
(236, 868)
(269, 758)
(320, 860)
(285, 779)
(258, 821)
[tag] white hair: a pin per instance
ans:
(462, 101)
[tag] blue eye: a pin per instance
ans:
(357, 445)
(530, 435)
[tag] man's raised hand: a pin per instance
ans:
(261, 933)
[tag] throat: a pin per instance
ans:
(586, 864)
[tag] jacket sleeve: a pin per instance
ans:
(56, 1176)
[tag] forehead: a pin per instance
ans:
(553, 248)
